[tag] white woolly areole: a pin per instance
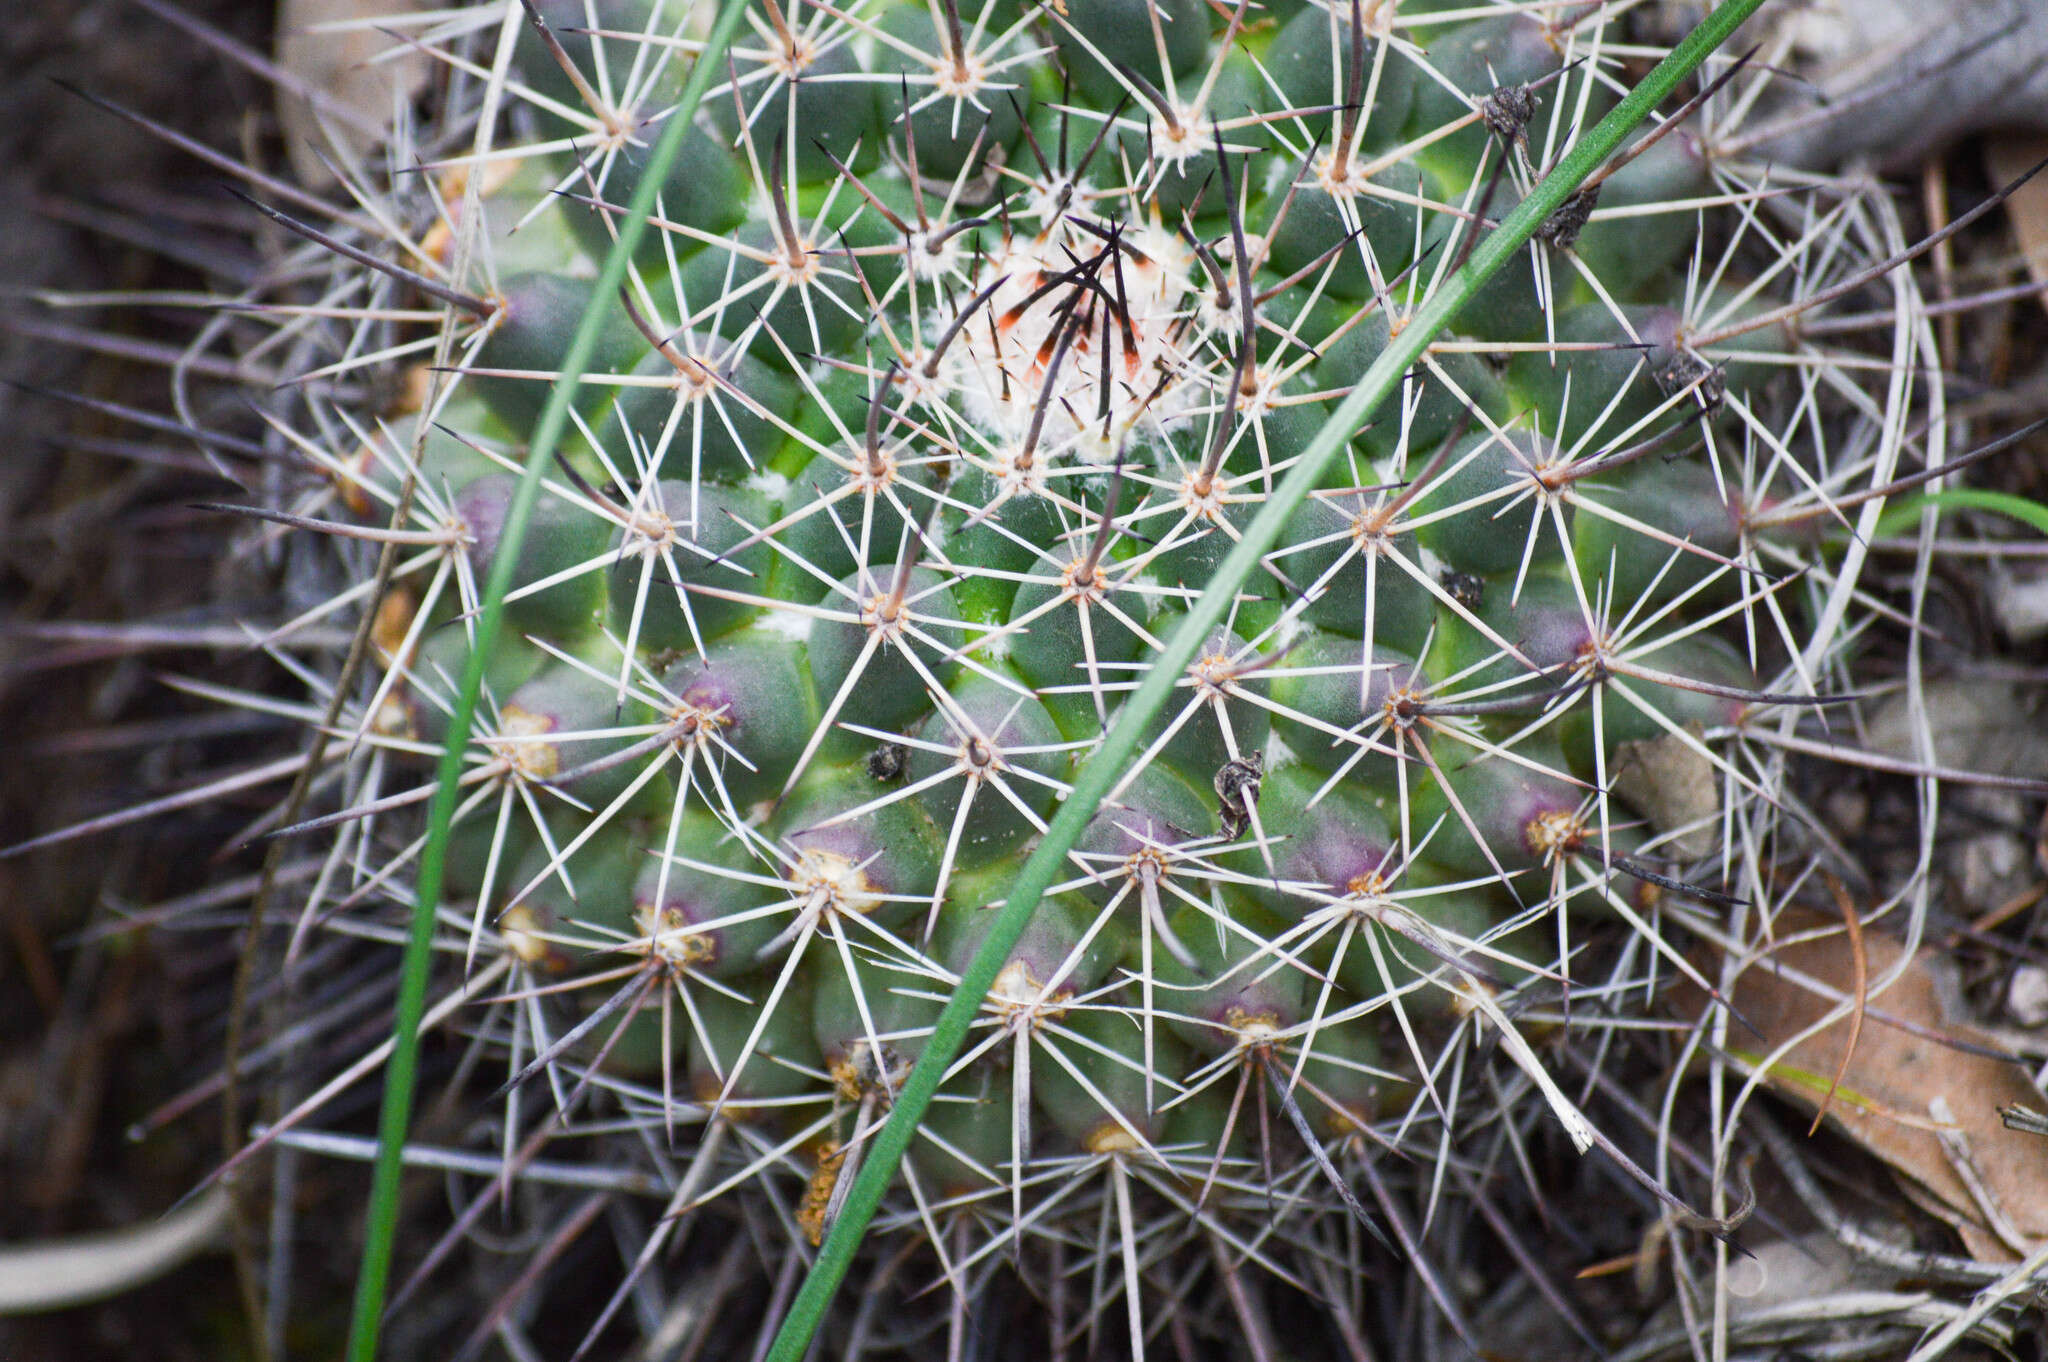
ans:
(999, 366)
(793, 625)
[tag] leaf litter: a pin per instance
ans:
(1916, 1083)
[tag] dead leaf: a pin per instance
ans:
(2006, 158)
(354, 95)
(1859, 974)
(1671, 783)
(1908, 1061)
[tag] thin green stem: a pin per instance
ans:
(1125, 735)
(2031, 513)
(401, 1073)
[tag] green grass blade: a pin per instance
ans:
(401, 1072)
(1102, 771)
(2027, 512)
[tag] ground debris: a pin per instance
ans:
(1923, 1088)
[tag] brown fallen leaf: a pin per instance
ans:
(1922, 1087)
(1859, 974)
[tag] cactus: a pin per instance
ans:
(966, 339)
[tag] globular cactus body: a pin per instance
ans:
(965, 339)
